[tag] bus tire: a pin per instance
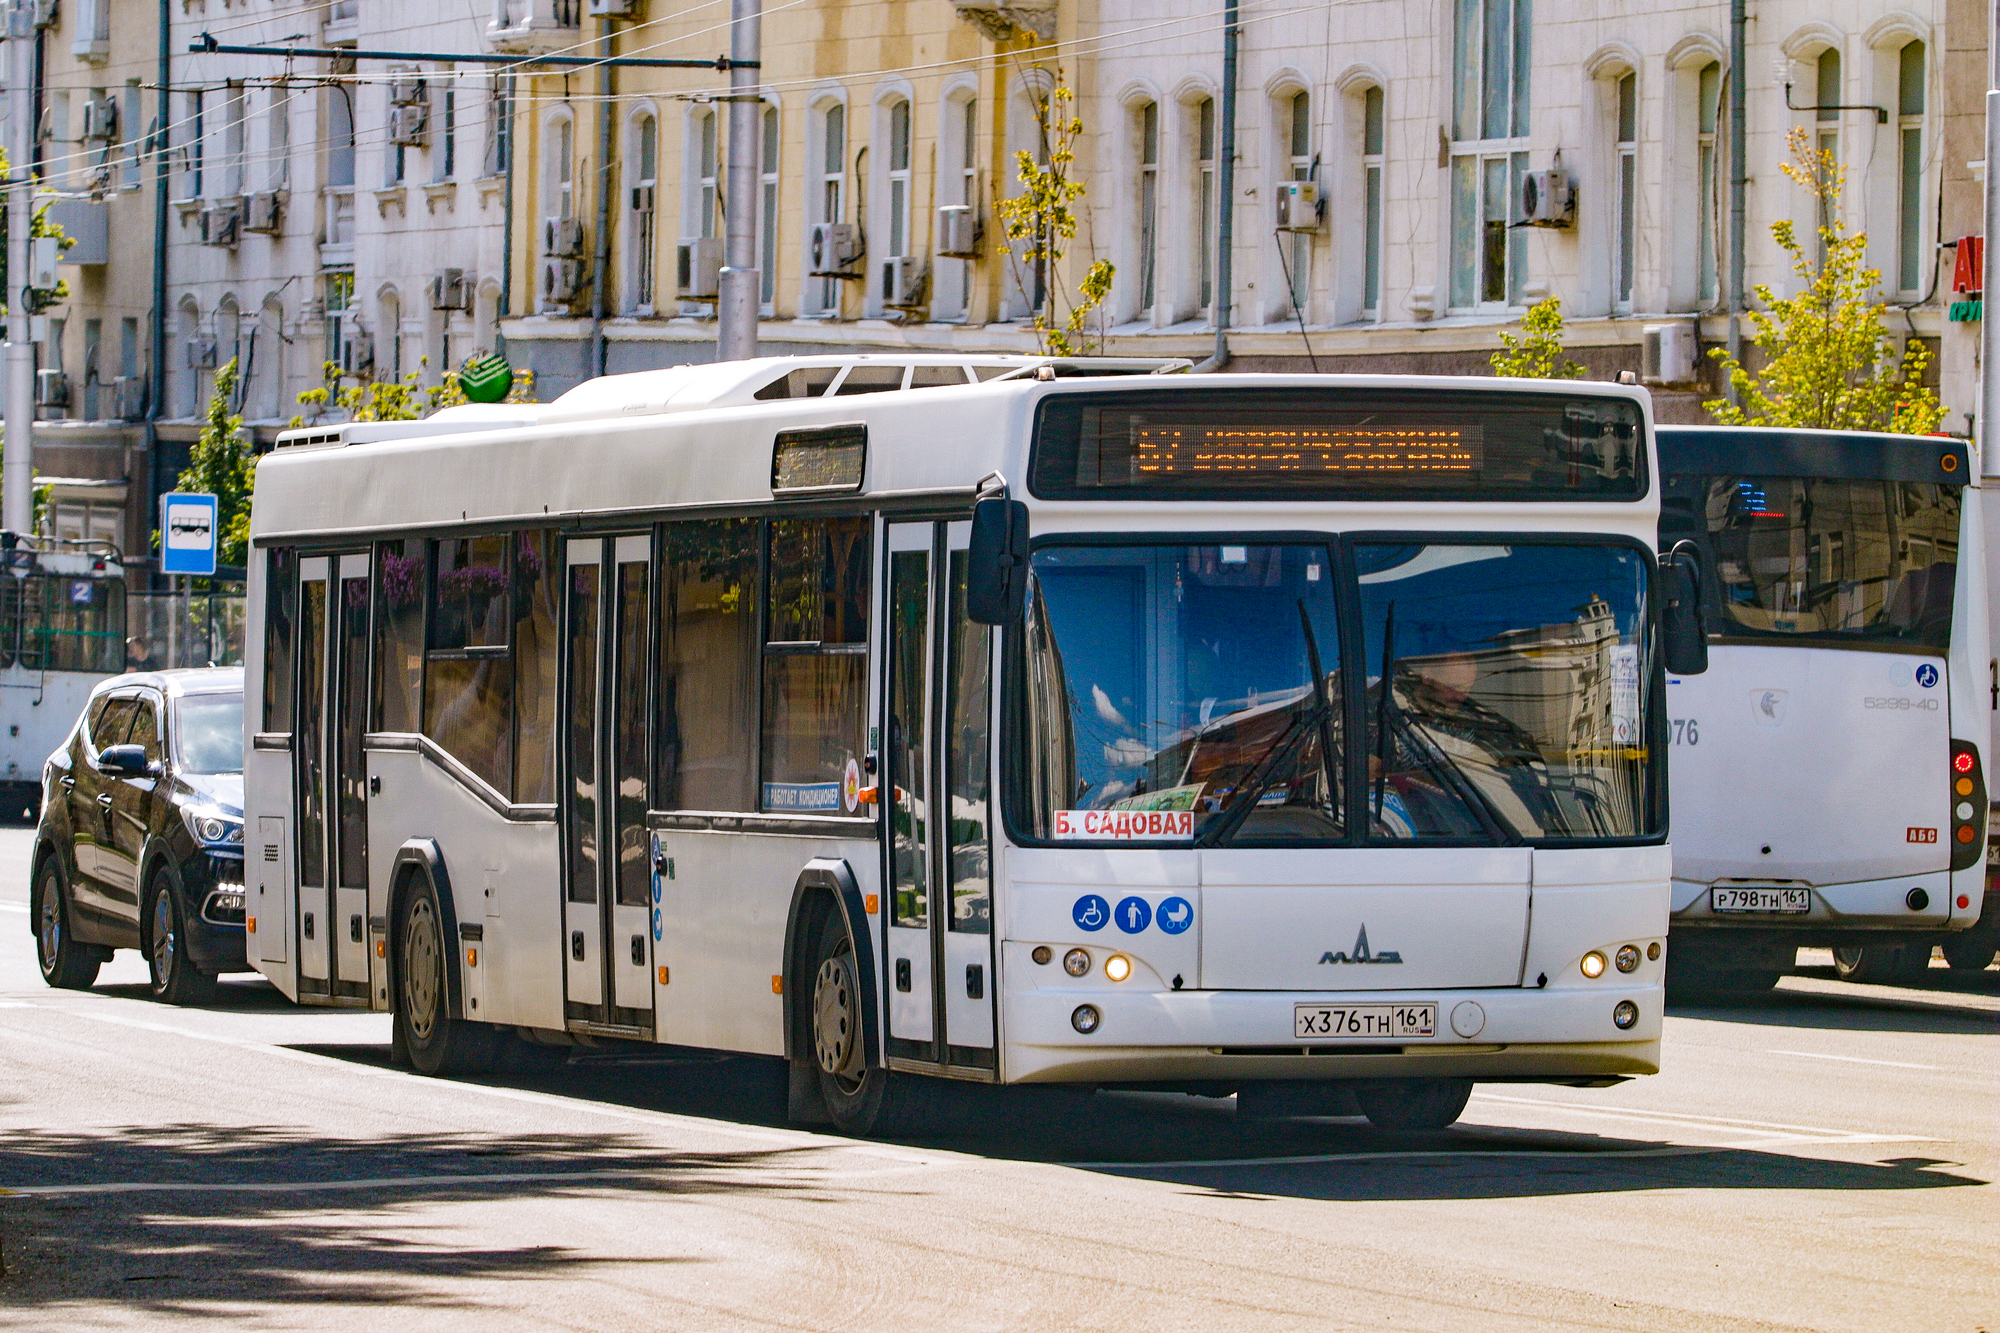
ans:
(171, 974)
(1970, 952)
(1413, 1104)
(438, 1044)
(860, 1099)
(1883, 964)
(66, 962)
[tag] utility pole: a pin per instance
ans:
(17, 471)
(738, 294)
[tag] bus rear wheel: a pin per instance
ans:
(1413, 1104)
(1970, 952)
(437, 1043)
(1883, 964)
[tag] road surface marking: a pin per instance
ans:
(1856, 1060)
(22, 908)
(1580, 1155)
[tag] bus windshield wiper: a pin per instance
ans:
(1385, 709)
(1251, 789)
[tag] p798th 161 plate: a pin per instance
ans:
(1760, 900)
(1344, 1021)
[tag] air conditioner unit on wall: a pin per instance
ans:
(201, 353)
(100, 119)
(1546, 199)
(957, 232)
(1668, 353)
(51, 388)
(357, 353)
(899, 282)
(450, 290)
(44, 253)
(835, 247)
(265, 215)
(1298, 205)
(409, 126)
(129, 394)
(406, 89)
(220, 223)
(612, 9)
(562, 237)
(698, 268)
(561, 281)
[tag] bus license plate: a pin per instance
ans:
(1760, 900)
(1364, 1020)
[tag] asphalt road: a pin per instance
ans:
(1819, 1160)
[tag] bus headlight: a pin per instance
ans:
(1593, 964)
(1085, 1019)
(1076, 962)
(1624, 1014)
(1627, 958)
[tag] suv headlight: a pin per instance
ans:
(213, 826)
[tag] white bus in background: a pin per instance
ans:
(62, 631)
(1828, 769)
(997, 719)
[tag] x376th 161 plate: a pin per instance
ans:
(1364, 1020)
(1760, 900)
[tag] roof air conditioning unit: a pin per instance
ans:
(1298, 205)
(899, 282)
(698, 268)
(450, 290)
(265, 214)
(51, 388)
(44, 253)
(129, 393)
(201, 353)
(835, 247)
(406, 89)
(1546, 198)
(1667, 354)
(957, 231)
(562, 279)
(220, 223)
(562, 237)
(100, 119)
(611, 9)
(409, 126)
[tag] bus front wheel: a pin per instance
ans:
(859, 1099)
(1413, 1104)
(436, 1042)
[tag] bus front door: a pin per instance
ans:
(937, 808)
(331, 779)
(607, 864)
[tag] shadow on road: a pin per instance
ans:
(245, 993)
(1855, 1013)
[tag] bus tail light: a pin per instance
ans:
(1968, 807)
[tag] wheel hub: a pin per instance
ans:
(834, 1022)
(421, 973)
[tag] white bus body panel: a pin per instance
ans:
(38, 709)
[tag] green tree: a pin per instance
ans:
(1043, 216)
(1537, 353)
(221, 464)
(368, 399)
(1829, 362)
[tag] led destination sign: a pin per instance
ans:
(1187, 449)
(1269, 443)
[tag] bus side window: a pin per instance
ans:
(815, 662)
(538, 587)
(468, 666)
(281, 611)
(399, 635)
(709, 602)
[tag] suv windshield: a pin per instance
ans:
(1822, 558)
(1195, 695)
(208, 733)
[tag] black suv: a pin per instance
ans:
(140, 844)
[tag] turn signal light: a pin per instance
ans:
(250, 924)
(1118, 967)
(1593, 964)
(1968, 815)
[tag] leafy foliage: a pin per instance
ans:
(1044, 216)
(221, 464)
(1537, 353)
(40, 227)
(1829, 359)
(364, 398)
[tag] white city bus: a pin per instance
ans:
(1828, 770)
(674, 711)
(62, 633)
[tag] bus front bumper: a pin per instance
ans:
(1558, 1034)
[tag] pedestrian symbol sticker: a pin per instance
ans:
(1927, 675)
(1134, 915)
(1090, 912)
(1176, 915)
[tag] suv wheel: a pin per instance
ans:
(66, 963)
(174, 977)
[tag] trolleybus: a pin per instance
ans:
(62, 632)
(1828, 770)
(998, 719)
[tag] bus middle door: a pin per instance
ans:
(607, 860)
(937, 807)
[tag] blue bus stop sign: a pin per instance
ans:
(187, 533)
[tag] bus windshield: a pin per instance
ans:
(1196, 694)
(1838, 560)
(208, 733)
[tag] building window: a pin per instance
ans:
(128, 128)
(1708, 106)
(1826, 134)
(1205, 196)
(1298, 142)
(958, 176)
(899, 177)
(644, 229)
(280, 154)
(232, 140)
(448, 132)
(830, 190)
(1628, 189)
(339, 295)
(1910, 180)
(339, 139)
(565, 182)
(767, 214)
(1372, 159)
(1489, 150)
(1149, 204)
(707, 184)
(498, 123)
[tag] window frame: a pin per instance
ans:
(1625, 220)
(1475, 149)
(1912, 134)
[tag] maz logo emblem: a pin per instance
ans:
(1361, 954)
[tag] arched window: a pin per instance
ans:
(1373, 161)
(705, 191)
(1149, 205)
(1297, 120)
(1625, 249)
(1910, 103)
(829, 193)
(1204, 200)
(1708, 107)
(642, 228)
(767, 210)
(899, 177)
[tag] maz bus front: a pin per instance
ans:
(994, 719)
(1828, 769)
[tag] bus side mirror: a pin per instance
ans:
(1683, 633)
(996, 562)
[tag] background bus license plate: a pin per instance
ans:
(1364, 1020)
(1760, 900)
